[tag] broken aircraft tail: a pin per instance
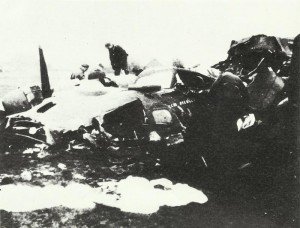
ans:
(46, 89)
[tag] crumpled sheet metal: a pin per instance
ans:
(78, 110)
(261, 43)
(264, 89)
(244, 56)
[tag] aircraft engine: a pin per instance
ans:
(22, 100)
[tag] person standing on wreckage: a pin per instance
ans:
(118, 58)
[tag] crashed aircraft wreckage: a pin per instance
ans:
(142, 111)
(163, 104)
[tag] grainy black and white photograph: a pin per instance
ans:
(149, 113)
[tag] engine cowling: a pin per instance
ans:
(22, 100)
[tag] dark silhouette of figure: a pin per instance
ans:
(118, 58)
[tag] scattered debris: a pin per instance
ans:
(78, 147)
(31, 150)
(26, 175)
(246, 122)
(103, 222)
(46, 170)
(117, 169)
(245, 165)
(43, 154)
(41, 146)
(7, 180)
(28, 151)
(62, 166)
(204, 161)
(78, 176)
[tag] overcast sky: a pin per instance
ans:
(74, 32)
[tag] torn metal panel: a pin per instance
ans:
(194, 80)
(264, 89)
(124, 120)
(245, 55)
(261, 43)
(69, 111)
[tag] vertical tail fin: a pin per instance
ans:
(46, 89)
